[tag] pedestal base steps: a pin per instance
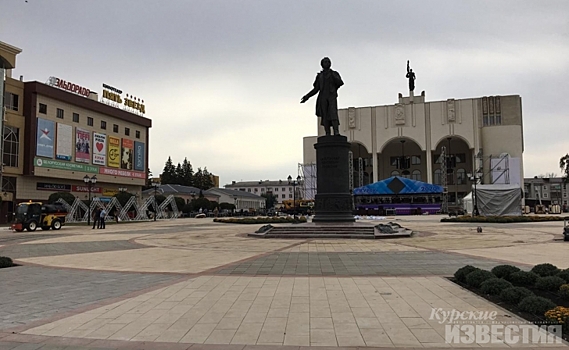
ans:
(346, 230)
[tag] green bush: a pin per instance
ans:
(523, 278)
(550, 283)
(545, 270)
(5, 262)
(504, 271)
(494, 286)
(475, 278)
(535, 305)
(461, 273)
(503, 219)
(564, 274)
(564, 291)
(514, 295)
(262, 220)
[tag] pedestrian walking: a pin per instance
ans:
(102, 218)
(96, 217)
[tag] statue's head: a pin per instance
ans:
(326, 63)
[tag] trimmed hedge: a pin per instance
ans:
(503, 219)
(504, 271)
(523, 278)
(5, 262)
(475, 278)
(494, 286)
(461, 273)
(536, 305)
(514, 295)
(262, 220)
(550, 283)
(545, 270)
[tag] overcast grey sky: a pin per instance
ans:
(222, 80)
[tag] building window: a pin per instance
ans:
(9, 184)
(276, 189)
(416, 175)
(76, 117)
(103, 125)
(137, 133)
(498, 120)
(43, 108)
(394, 161)
(437, 178)
(416, 160)
(283, 195)
(394, 173)
(545, 195)
(59, 113)
(485, 120)
(283, 189)
(492, 120)
(11, 146)
(115, 128)
(290, 196)
(248, 190)
(11, 101)
(461, 177)
(262, 190)
(256, 190)
(89, 121)
(127, 131)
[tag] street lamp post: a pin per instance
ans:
(90, 181)
(294, 184)
(155, 205)
(475, 177)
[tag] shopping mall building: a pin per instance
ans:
(58, 134)
(481, 135)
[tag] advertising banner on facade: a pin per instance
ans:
(83, 146)
(139, 156)
(94, 189)
(56, 164)
(126, 154)
(123, 173)
(45, 136)
(114, 152)
(64, 143)
(43, 186)
(99, 149)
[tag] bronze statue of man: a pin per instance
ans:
(326, 84)
(411, 77)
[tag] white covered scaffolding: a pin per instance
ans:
(307, 174)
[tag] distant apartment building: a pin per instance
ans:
(281, 189)
(550, 191)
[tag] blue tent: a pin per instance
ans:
(397, 185)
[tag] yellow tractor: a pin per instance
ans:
(30, 215)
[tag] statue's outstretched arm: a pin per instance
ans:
(310, 94)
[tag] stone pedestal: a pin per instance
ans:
(333, 202)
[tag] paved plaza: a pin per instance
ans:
(192, 283)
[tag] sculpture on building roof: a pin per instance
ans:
(411, 76)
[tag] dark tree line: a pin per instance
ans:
(183, 174)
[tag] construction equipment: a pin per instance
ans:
(30, 215)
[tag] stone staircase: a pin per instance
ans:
(309, 230)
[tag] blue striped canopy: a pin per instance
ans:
(401, 185)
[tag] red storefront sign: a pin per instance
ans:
(122, 172)
(86, 189)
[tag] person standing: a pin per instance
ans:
(102, 218)
(96, 217)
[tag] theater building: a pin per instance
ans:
(481, 135)
(62, 133)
